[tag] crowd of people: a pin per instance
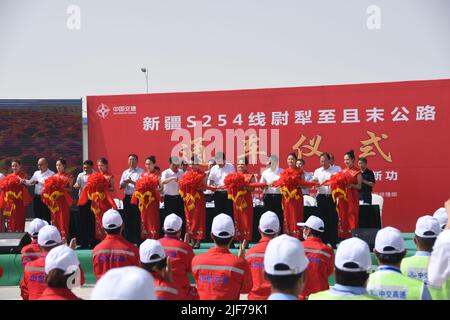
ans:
(292, 260)
(278, 267)
(184, 189)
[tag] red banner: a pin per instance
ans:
(400, 127)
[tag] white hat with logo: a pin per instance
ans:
(63, 258)
(353, 255)
(269, 223)
(314, 223)
(442, 216)
(49, 236)
(112, 219)
(36, 225)
(173, 223)
(389, 240)
(151, 251)
(427, 227)
(285, 255)
(126, 283)
(222, 226)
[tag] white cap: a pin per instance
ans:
(427, 227)
(389, 240)
(442, 216)
(36, 225)
(126, 283)
(49, 236)
(151, 251)
(314, 223)
(269, 223)
(172, 223)
(353, 252)
(111, 219)
(222, 226)
(62, 257)
(285, 251)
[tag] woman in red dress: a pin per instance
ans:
(61, 219)
(14, 198)
(192, 185)
(348, 206)
(147, 197)
(244, 218)
(102, 165)
(98, 190)
(291, 182)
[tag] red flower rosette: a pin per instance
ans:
(190, 185)
(339, 182)
(96, 190)
(54, 193)
(237, 188)
(146, 191)
(12, 191)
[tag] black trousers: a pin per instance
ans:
(222, 204)
(327, 212)
(41, 211)
(366, 197)
(86, 226)
(174, 204)
(273, 202)
(132, 221)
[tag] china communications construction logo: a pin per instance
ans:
(103, 111)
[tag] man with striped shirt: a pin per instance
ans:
(320, 256)
(114, 251)
(218, 273)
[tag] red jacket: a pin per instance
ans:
(166, 290)
(320, 267)
(113, 252)
(181, 255)
(30, 252)
(33, 283)
(58, 294)
(220, 275)
(255, 258)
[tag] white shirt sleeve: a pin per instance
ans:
(122, 178)
(262, 180)
(439, 266)
(79, 179)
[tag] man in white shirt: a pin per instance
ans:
(173, 203)
(131, 214)
(86, 219)
(2, 176)
(333, 166)
(41, 211)
(216, 178)
(325, 204)
(272, 195)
